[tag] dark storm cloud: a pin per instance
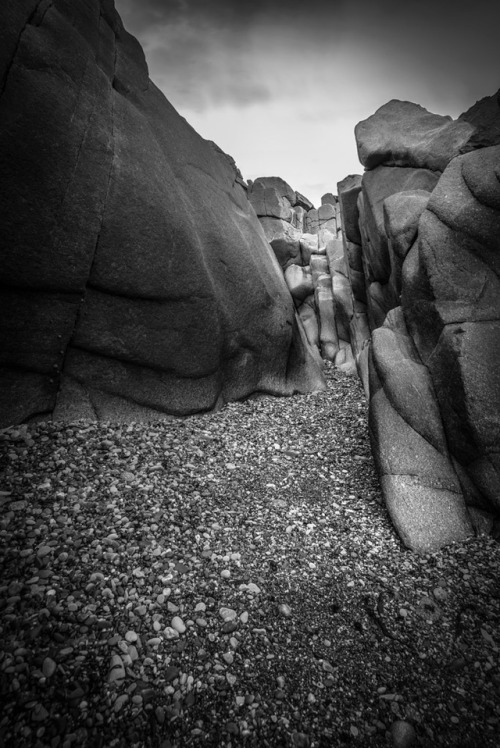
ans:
(229, 14)
(204, 54)
(200, 75)
(280, 85)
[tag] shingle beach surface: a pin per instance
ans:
(233, 580)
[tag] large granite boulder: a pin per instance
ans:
(299, 281)
(377, 185)
(137, 280)
(404, 134)
(484, 115)
(280, 187)
(284, 238)
(421, 242)
(451, 299)
(309, 245)
(349, 189)
(268, 201)
(421, 489)
(402, 213)
(310, 321)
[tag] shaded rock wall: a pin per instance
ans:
(422, 228)
(137, 281)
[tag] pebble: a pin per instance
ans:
(120, 702)
(440, 593)
(39, 713)
(170, 633)
(116, 672)
(48, 667)
(251, 587)
(403, 734)
(227, 614)
(17, 506)
(170, 543)
(300, 740)
(178, 624)
(171, 673)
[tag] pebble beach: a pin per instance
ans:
(233, 579)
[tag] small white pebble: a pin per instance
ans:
(170, 633)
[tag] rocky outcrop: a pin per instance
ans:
(451, 294)
(421, 236)
(136, 279)
(484, 115)
(404, 134)
(307, 244)
(420, 486)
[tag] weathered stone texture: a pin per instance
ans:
(135, 273)
(404, 134)
(429, 260)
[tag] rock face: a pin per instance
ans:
(404, 134)
(136, 281)
(452, 303)
(484, 115)
(307, 244)
(421, 235)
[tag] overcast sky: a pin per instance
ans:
(280, 85)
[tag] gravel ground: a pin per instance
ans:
(232, 580)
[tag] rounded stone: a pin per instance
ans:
(403, 734)
(178, 624)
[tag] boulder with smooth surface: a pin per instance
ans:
(145, 280)
(404, 134)
(451, 300)
(409, 444)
